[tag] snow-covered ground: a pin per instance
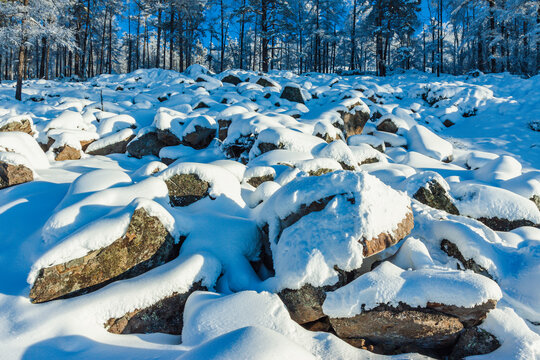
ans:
(474, 137)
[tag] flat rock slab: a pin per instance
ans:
(164, 316)
(145, 245)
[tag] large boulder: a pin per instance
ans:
(431, 189)
(293, 93)
(112, 144)
(231, 79)
(18, 123)
(410, 310)
(66, 152)
(317, 231)
(163, 316)
(145, 244)
(188, 183)
(355, 116)
(145, 144)
(200, 132)
(11, 174)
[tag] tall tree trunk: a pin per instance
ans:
(137, 50)
(492, 61)
(158, 36)
(171, 39)
(110, 43)
(242, 26)
(353, 36)
(22, 57)
(264, 35)
(43, 51)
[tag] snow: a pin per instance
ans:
(78, 206)
(476, 200)
(69, 216)
(110, 140)
(424, 141)
(389, 284)
(24, 145)
(222, 182)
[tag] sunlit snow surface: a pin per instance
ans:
(76, 206)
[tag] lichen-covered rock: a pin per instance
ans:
(168, 138)
(223, 128)
(305, 304)
(66, 152)
(14, 174)
(452, 250)
(258, 180)
(145, 245)
(147, 144)
(185, 189)
(164, 316)
(474, 341)
(200, 137)
(501, 224)
(292, 93)
(435, 195)
(231, 79)
(22, 125)
(264, 82)
(118, 147)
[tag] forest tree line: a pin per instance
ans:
(83, 38)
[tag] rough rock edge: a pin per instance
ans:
(103, 266)
(164, 316)
(185, 189)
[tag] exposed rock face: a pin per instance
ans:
(434, 195)
(388, 126)
(47, 146)
(452, 250)
(392, 328)
(148, 144)
(499, 224)
(185, 189)
(385, 240)
(320, 172)
(474, 341)
(116, 148)
(86, 143)
(231, 79)
(223, 129)
(146, 245)
(265, 82)
(326, 137)
(258, 180)
(165, 316)
(305, 304)
(536, 200)
(66, 153)
(14, 174)
(23, 125)
(168, 138)
(437, 326)
(293, 94)
(200, 138)
(354, 119)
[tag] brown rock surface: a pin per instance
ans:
(23, 125)
(66, 153)
(145, 245)
(14, 174)
(354, 120)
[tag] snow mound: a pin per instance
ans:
(389, 284)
